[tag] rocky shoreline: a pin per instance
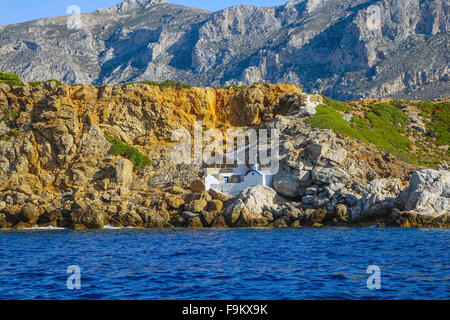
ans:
(416, 206)
(57, 169)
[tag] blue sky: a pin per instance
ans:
(24, 10)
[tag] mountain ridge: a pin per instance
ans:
(127, 5)
(330, 47)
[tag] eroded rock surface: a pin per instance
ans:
(56, 166)
(428, 193)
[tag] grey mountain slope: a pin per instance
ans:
(327, 46)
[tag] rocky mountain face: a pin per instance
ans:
(346, 49)
(68, 159)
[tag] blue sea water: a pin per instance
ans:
(308, 263)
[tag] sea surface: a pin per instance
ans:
(307, 263)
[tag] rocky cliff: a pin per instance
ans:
(79, 156)
(344, 49)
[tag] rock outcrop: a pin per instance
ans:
(58, 168)
(378, 200)
(428, 193)
(129, 5)
(425, 203)
(56, 165)
(255, 207)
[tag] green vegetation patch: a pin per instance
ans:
(386, 128)
(383, 126)
(164, 84)
(130, 152)
(328, 118)
(14, 80)
(439, 125)
(174, 84)
(233, 87)
(338, 105)
(36, 83)
(11, 79)
(10, 114)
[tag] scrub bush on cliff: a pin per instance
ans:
(133, 154)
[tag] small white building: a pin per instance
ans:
(231, 180)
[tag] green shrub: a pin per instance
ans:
(338, 105)
(397, 103)
(164, 84)
(10, 114)
(388, 113)
(36, 83)
(14, 79)
(383, 127)
(151, 83)
(121, 148)
(174, 84)
(14, 132)
(439, 125)
(233, 87)
(387, 123)
(360, 123)
(9, 76)
(11, 79)
(328, 118)
(426, 107)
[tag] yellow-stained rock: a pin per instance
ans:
(196, 205)
(197, 186)
(174, 202)
(214, 206)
